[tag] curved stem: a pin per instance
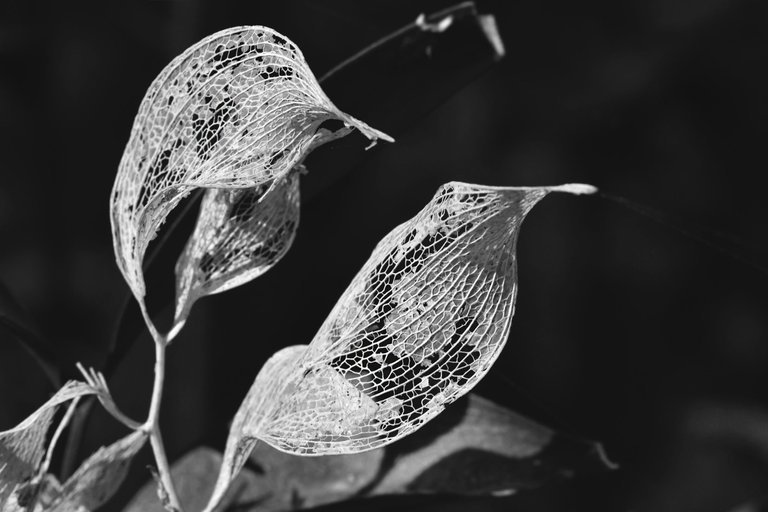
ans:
(152, 425)
(62, 425)
(157, 388)
(163, 469)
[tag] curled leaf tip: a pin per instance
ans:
(239, 109)
(491, 31)
(603, 456)
(370, 133)
(438, 26)
(575, 188)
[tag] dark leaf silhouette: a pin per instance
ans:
(17, 322)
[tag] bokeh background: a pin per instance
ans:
(627, 330)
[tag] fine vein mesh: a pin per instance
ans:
(269, 383)
(22, 448)
(238, 109)
(418, 326)
(240, 234)
(97, 479)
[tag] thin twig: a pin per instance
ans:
(97, 381)
(55, 439)
(152, 425)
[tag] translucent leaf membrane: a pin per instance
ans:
(239, 109)
(418, 327)
(260, 398)
(240, 234)
(420, 324)
(97, 479)
(22, 448)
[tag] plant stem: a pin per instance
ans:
(152, 425)
(163, 469)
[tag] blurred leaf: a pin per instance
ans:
(238, 109)
(408, 73)
(418, 327)
(97, 479)
(36, 494)
(475, 448)
(194, 475)
(22, 448)
(17, 321)
(240, 234)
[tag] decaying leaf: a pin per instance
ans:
(22, 448)
(239, 109)
(251, 412)
(475, 448)
(240, 234)
(420, 324)
(97, 479)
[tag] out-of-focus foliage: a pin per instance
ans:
(475, 448)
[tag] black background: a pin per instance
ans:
(626, 331)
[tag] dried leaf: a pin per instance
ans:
(410, 72)
(22, 448)
(251, 412)
(420, 324)
(239, 109)
(240, 234)
(194, 475)
(97, 479)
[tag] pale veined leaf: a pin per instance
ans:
(97, 479)
(240, 234)
(418, 327)
(260, 397)
(22, 448)
(238, 109)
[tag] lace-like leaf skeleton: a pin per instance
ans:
(240, 234)
(418, 327)
(22, 448)
(239, 109)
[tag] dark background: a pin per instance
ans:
(626, 331)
